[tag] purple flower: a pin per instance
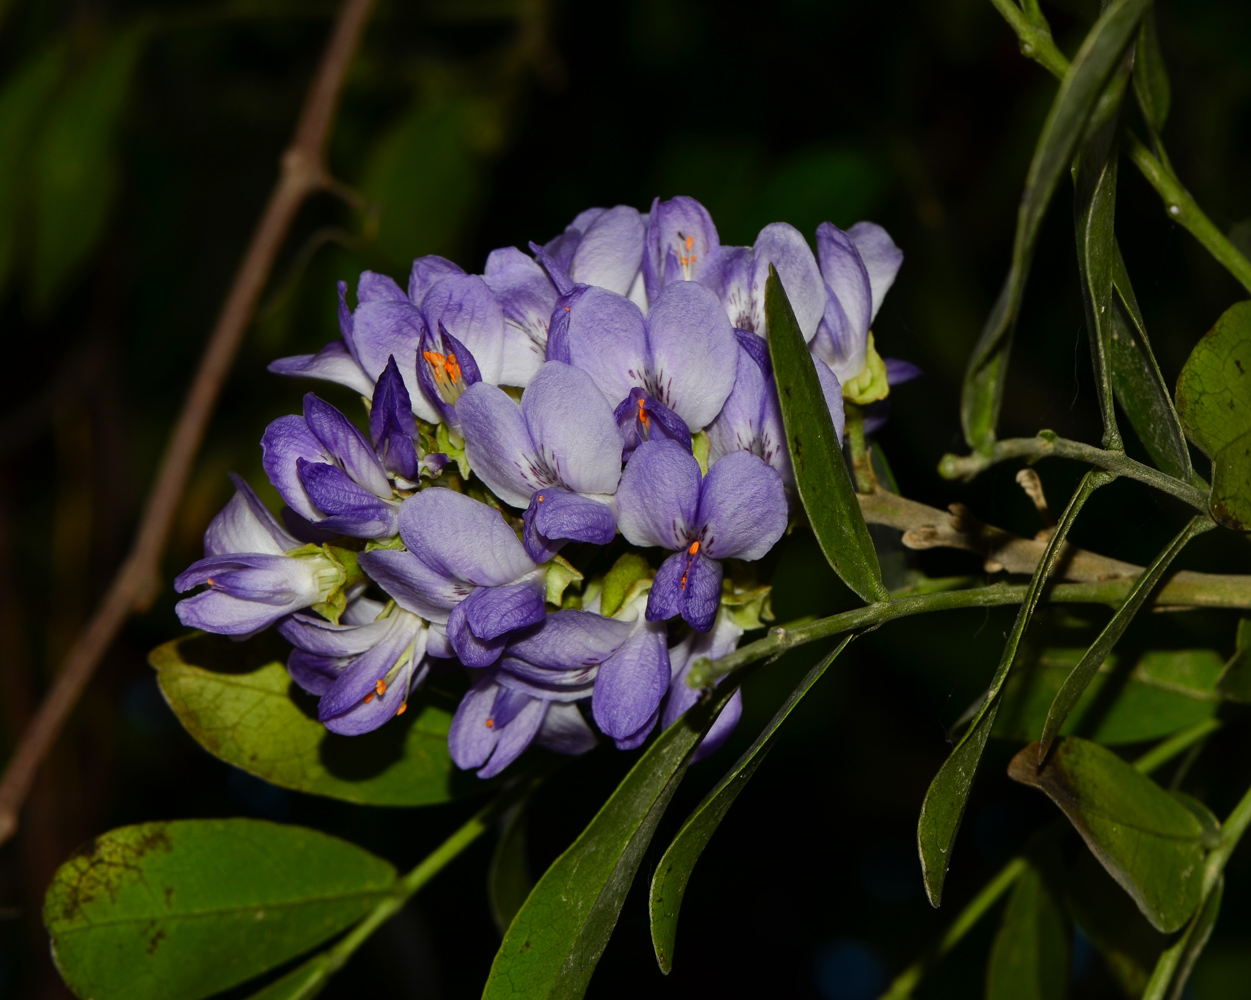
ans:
(527, 297)
(858, 266)
(558, 455)
(743, 272)
(601, 247)
(737, 511)
(712, 645)
(464, 567)
(328, 473)
(632, 682)
(681, 245)
(530, 696)
(682, 355)
(252, 581)
(362, 669)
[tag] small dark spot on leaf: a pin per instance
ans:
(154, 942)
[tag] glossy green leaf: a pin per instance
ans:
(1148, 840)
(1075, 684)
(1214, 401)
(75, 166)
(178, 911)
(1168, 981)
(1151, 85)
(1030, 957)
(22, 102)
(555, 941)
(1067, 120)
(1235, 680)
(1139, 385)
(816, 453)
(508, 877)
(673, 872)
(1094, 213)
(943, 807)
(239, 703)
(1165, 691)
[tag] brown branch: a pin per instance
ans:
(926, 527)
(133, 588)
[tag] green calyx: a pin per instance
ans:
(870, 385)
(338, 570)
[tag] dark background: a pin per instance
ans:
(466, 126)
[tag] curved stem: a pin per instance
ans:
(1049, 445)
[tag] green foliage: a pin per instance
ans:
(1151, 85)
(1235, 681)
(508, 878)
(820, 472)
(1214, 400)
(556, 939)
(178, 911)
(1175, 965)
(1151, 842)
(1067, 121)
(304, 981)
(1163, 692)
(674, 869)
(75, 166)
(241, 705)
(1030, 957)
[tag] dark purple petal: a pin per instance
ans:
(721, 729)
(471, 650)
(692, 353)
(610, 251)
(413, 585)
(285, 442)
(557, 270)
(566, 685)
(384, 328)
(392, 428)
(359, 680)
(637, 738)
(898, 371)
(572, 425)
(366, 716)
(687, 584)
(350, 448)
(426, 271)
(466, 308)
(881, 258)
(445, 369)
(498, 444)
(742, 508)
(333, 363)
(569, 639)
(631, 683)
(470, 740)
(605, 335)
(756, 347)
(515, 737)
(351, 509)
(564, 731)
(313, 672)
(680, 238)
(494, 611)
(658, 497)
(461, 538)
(556, 516)
(641, 418)
(375, 287)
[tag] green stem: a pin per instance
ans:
(862, 468)
(1037, 44)
(1184, 739)
(1049, 445)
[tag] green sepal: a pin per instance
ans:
(870, 385)
(701, 445)
(455, 452)
(560, 575)
(620, 580)
(350, 573)
(746, 607)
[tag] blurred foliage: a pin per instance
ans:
(138, 142)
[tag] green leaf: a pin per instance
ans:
(1168, 981)
(239, 703)
(1030, 957)
(1165, 691)
(508, 876)
(1235, 681)
(675, 867)
(816, 454)
(1139, 385)
(22, 102)
(1066, 122)
(1151, 85)
(943, 808)
(1148, 840)
(1214, 401)
(178, 911)
(555, 941)
(306, 980)
(76, 165)
(1075, 684)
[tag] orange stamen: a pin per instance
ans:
(540, 498)
(490, 724)
(402, 709)
(453, 367)
(211, 583)
(694, 547)
(690, 242)
(381, 687)
(643, 418)
(369, 697)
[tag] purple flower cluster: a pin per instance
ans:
(617, 382)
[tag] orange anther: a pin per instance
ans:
(694, 547)
(682, 585)
(381, 687)
(690, 242)
(540, 498)
(453, 367)
(434, 359)
(369, 697)
(402, 709)
(643, 418)
(211, 583)
(490, 723)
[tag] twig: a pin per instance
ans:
(134, 586)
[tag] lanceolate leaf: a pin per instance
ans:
(178, 911)
(1075, 684)
(1138, 384)
(675, 867)
(1166, 690)
(1148, 840)
(1070, 112)
(240, 704)
(816, 453)
(943, 808)
(555, 941)
(1214, 401)
(1030, 957)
